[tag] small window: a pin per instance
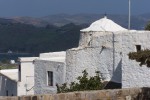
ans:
(138, 48)
(50, 78)
(19, 68)
(7, 93)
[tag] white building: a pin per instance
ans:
(104, 47)
(105, 50)
(97, 51)
(26, 76)
(17, 82)
(8, 82)
(50, 69)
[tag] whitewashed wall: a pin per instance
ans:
(107, 52)
(97, 51)
(132, 74)
(6, 84)
(41, 68)
(27, 78)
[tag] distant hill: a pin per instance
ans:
(31, 21)
(137, 22)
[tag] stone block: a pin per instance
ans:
(128, 97)
(104, 94)
(3, 98)
(44, 97)
(120, 98)
(61, 96)
(125, 92)
(48, 97)
(26, 98)
(90, 96)
(135, 91)
(70, 96)
(34, 97)
(122, 92)
(81, 95)
(40, 97)
(7, 98)
(55, 97)
(14, 98)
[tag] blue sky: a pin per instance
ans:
(38, 8)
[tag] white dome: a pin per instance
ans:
(104, 24)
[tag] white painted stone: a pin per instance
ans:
(27, 59)
(110, 58)
(25, 86)
(134, 75)
(41, 68)
(53, 54)
(102, 55)
(52, 61)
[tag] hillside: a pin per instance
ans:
(19, 37)
(30, 21)
(137, 21)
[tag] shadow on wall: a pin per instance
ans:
(117, 75)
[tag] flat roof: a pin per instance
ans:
(10, 73)
(55, 59)
(27, 59)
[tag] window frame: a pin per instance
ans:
(50, 78)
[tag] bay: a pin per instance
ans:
(14, 56)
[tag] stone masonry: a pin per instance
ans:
(117, 94)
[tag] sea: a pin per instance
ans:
(14, 56)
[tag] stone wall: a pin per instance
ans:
(119, 94)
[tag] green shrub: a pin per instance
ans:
(85, 83)
(142, 56)
(147, 27)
